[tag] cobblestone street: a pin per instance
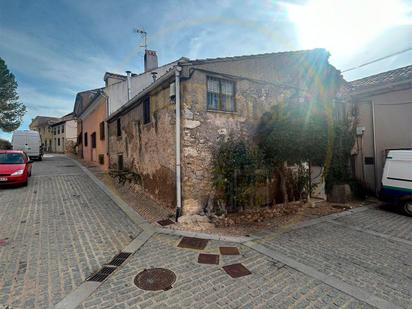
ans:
(63, 227)
(57, 231)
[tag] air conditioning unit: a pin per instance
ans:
(172, 90)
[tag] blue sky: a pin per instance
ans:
(58, 48)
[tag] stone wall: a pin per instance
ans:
(148, 149)
(202, 129)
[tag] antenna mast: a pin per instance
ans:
(143, 35)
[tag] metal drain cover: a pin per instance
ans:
(229, 251)
(155, 279)
(236, 270)
(193, 243)
(165, 222)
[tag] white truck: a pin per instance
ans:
(397, 179)
(29, 142)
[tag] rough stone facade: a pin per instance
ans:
(148, 150)
(202, 129)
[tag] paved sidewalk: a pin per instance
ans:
(57, 231)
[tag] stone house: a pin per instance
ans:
(64, 134)
(91, 109)
(209, 99)
(383, 110)
(42, 124)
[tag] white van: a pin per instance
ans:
(28, 141)
(397, 179)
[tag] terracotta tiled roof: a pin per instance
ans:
(382, 79)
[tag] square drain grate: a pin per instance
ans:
(193, 243)
(119, 259)
(236, 270)
(229, 251)
(101, 274)
(208, 259)
(165, 222)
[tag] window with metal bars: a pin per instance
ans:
(220, 94)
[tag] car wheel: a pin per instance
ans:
(407, 208)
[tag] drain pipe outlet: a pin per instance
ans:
(178, 170)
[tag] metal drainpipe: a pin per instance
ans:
(106, 125)
(374, 146)
(178, 170)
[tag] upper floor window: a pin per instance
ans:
(146, 110)
(118, 127)
(101, 129)
(220, 94)
(62, 128)
(58, 130)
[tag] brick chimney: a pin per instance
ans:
(150, 60)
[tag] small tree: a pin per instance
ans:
(11, 110)
(234, 163)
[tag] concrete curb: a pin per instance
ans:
(235, 239)
(87, 288)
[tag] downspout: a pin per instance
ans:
(106, 126)
(374, 146)
(178, 169)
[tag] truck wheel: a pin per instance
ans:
(407, 208)
(40, 158)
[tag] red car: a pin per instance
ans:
(15, 167)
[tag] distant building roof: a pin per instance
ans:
(84, 98)
(67, 117)
(43, 120)
(382, 79)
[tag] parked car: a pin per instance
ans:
(397, 179)
(29, 142)
(15, 167)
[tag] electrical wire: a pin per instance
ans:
(378, 59)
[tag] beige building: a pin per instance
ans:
(383, 108)
(216, 97)
(64, 134)
(42, 124)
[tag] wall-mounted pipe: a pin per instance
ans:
(178, 169)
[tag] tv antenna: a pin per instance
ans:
(143, 34)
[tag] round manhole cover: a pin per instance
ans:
(155, 279)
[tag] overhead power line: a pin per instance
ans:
(379, 59)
